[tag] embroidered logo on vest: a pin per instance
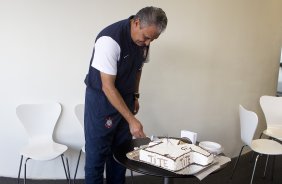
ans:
(109, 122)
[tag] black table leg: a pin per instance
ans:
(168, 180)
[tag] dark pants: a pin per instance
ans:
(105, 130)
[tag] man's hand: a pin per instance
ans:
(136, 128)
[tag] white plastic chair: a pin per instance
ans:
(79, 112)
(39, 121)
(272, 109)
(248, 124)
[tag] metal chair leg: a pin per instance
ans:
(252, 156)
(20, 167)
(264, 173)
(74, 177)
(68, 169)
(131, 172)
(25, 165)
(25, 170)
(68, 179)
(254, 168)
(273, 166)
(235, 166)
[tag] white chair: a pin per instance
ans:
(272, 109)
(248, 124)
(39, 121)
(79, 112)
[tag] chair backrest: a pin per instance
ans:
(79, 112)
(248, 124)
(272, 109)
(39, 120)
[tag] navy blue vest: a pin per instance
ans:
(131, 59)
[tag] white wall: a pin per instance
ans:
(213, 56)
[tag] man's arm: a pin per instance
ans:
(136, 102)
(108, 87)
(138, 77)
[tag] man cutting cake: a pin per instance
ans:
(112, 91)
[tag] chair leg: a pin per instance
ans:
(74, 177)
(68, 169)
(235, 166)
(264, 173)
(252, 156)
(273, 166)
(131, 172)
(67, 175)
(25, 170)
(19, 175)
(254, 168)
(68, 179)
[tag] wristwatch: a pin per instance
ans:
(136, 96)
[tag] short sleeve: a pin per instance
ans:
(107, 53)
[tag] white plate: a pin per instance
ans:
(212, 147)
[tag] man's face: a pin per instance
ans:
(143, 36)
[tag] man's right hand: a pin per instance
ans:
(136, 128)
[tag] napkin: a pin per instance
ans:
(219, 161)
(192, 136)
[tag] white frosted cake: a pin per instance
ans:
(174, 155)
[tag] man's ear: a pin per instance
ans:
(137, 22)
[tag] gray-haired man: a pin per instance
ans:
(112, 91)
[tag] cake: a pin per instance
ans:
(174, 155)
